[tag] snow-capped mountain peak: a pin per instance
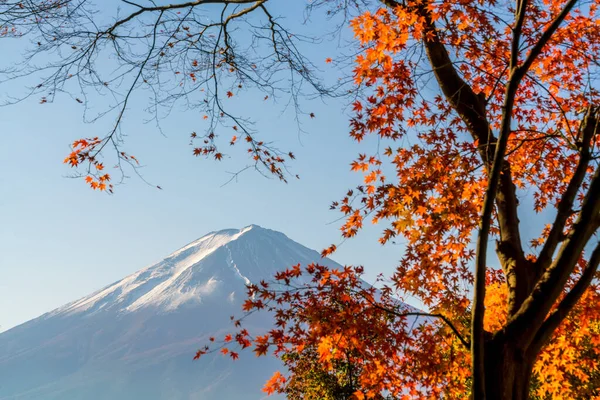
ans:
(218, 264)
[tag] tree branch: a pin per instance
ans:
(537, 48)
(447, 321)
(168, 7)
(525, 324)
(568, 302)
(589, 128)
(517, 30)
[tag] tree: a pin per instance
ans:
(486, 111)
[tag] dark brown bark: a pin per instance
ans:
(508, 371)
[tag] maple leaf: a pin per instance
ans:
(326, 252)
(199, 354)
(358, 395)
(248, 305)
(261, 350)
(274, 383)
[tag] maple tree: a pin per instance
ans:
(487, 112)
(516, 109)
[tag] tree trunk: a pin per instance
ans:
(507, 371)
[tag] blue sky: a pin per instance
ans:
(60, 240)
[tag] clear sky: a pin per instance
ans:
(60, 240)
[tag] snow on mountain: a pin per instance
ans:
(135, 338)
(165, 284)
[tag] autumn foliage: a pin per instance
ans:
(339, 336)
(487, 117)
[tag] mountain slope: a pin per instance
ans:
(135, 339)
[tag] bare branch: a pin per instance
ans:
(188, 55)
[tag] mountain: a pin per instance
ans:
(135, 338)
